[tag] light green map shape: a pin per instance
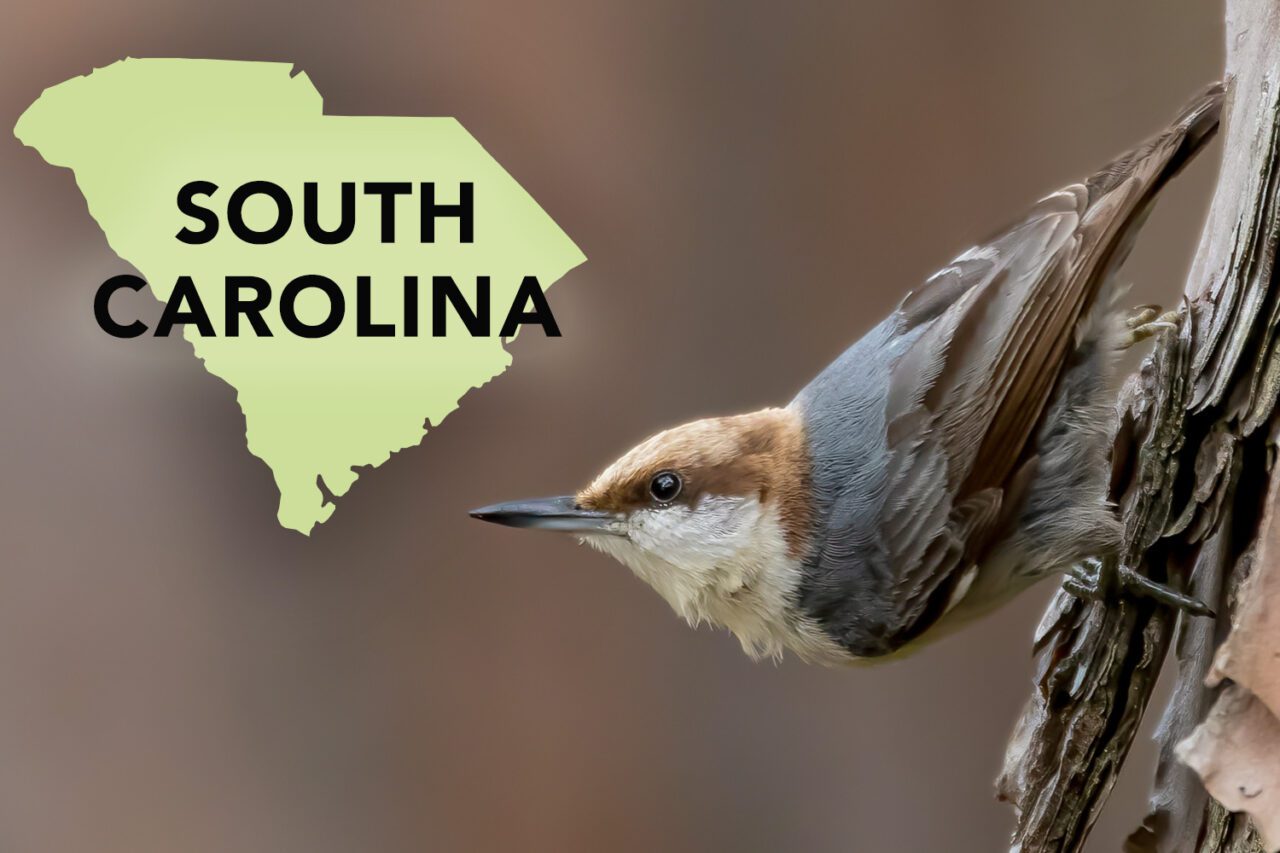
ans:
(138, 130)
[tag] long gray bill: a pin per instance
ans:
(559, 513)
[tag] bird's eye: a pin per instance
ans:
(665, 487)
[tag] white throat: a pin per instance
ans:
(724, 561)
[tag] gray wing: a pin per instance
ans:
(947, 394)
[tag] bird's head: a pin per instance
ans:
(707, 513)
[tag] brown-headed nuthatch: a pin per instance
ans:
(953, 456)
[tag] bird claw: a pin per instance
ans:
(1091, 580)
(1140, 315)
(1085, 582)
(1145, 322)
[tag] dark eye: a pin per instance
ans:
(665, 487)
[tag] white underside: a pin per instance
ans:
(723, 562)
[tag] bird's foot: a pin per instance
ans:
(1140, 315)
(1094, 580)
(1146, 321)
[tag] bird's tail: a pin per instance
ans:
(1134, 181)
(1164, 155)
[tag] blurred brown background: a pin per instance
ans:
(754, 185)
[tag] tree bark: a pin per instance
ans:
(1193, 463)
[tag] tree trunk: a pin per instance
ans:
(1194, 477)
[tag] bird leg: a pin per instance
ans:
(1096, 580)
(1145, 321)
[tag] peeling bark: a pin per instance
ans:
(1194, 461)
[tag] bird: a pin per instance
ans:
(954, 455)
